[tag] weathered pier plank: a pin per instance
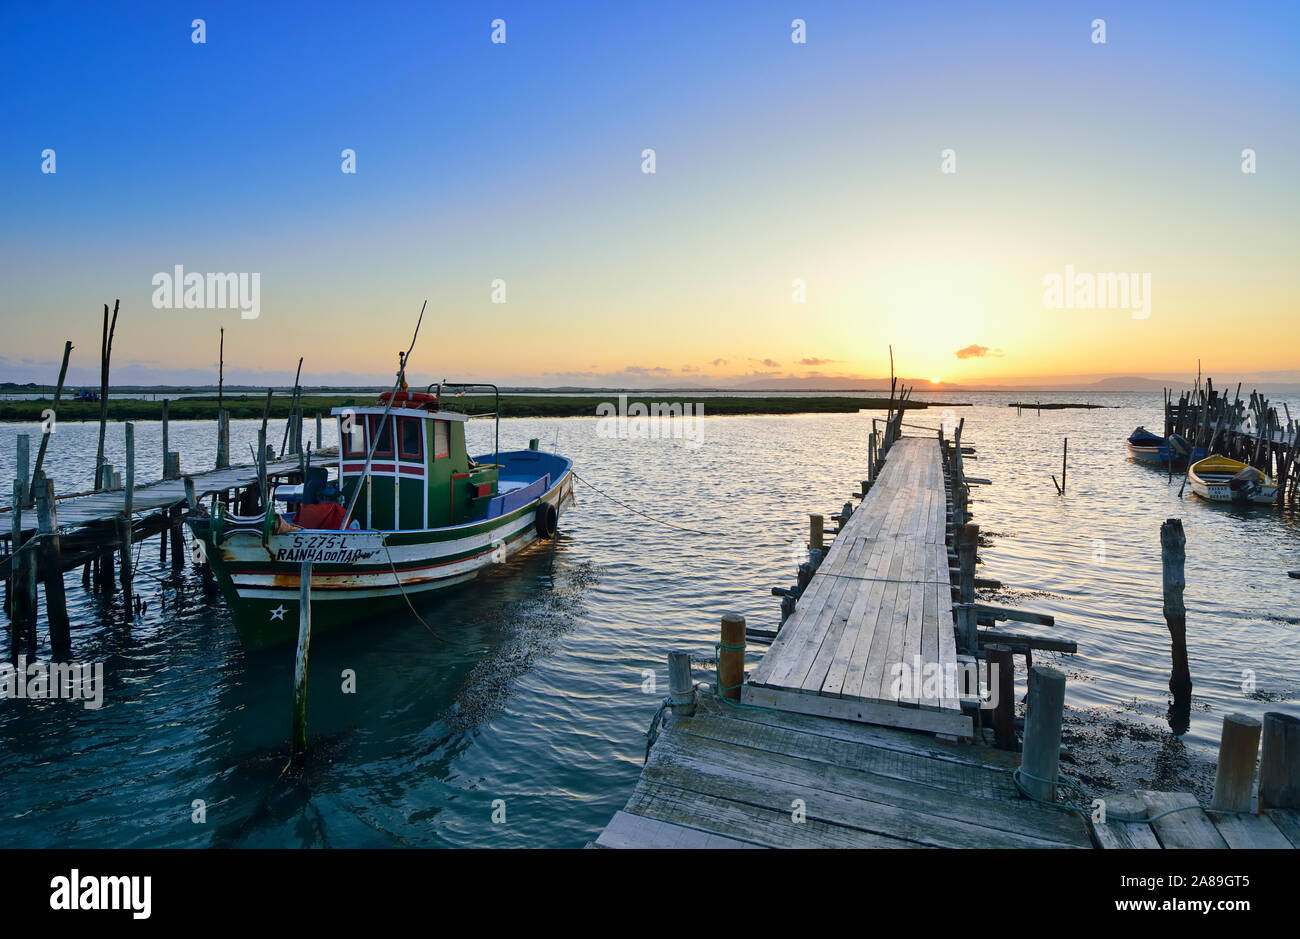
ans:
(880, 601)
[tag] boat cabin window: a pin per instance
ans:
(385, 445)
(354, 438)
(410, 446)
(441, 443)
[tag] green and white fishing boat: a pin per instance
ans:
(406, 512)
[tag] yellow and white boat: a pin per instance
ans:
(1220, 479)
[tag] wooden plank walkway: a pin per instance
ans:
(880, 599)
(735, 777)
(1193, 827)
(90, 508)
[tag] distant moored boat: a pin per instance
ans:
(1221, 479)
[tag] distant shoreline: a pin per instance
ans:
(250, 406)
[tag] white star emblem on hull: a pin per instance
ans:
(278, 612)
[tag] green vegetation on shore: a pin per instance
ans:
(249, 406)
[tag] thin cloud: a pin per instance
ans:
(717, 362)
(976, 351)
(812, 361)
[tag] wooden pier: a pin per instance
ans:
(823, 746)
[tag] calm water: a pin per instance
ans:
(531, 690)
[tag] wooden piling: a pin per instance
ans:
(681, 687)
(223, 439)
(105, 355)
(1002, 678)
(1173, 556)
(1040, 759)
(300, 662)
(24, 469)
(178, 541)
(731, 656)
(51, 563)
(320, 431)
(966, 538)
(1279, 762)
(22, 587)
(816, 526)
(1234, 780)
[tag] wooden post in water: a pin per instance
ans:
(24, 468)
(731, 656)
(681, 687)
(124, 523)
(871, 460)
(1002, 678)
(320, 431)
(1234, 780)
(51, 558)
(1173, 544)
(105, 356)
(1279, 762)
(966, 538)
(178, 541)
(816, 525)
(300, 662)
(164, 439)
(1040, 760)
(223, 439)
(22, 585)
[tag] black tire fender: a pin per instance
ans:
(548, 520)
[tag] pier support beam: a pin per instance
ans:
(1279, 762)
(1234, 780)
(967, 621)
(51, 559)
(731, 656)
(681, 687)
(1002, 677)
(1040, 760)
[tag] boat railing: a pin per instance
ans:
(495, 413)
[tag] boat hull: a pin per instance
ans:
(360, 575)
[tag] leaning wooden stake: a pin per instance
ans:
(58, 393)
(105, 356)
(300, 662)
(681, 687)
(1234, 780)
(731, 656)
(1173, 554)
(1279, 762)
(1040, 760)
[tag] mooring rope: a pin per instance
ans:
(652, 518)
(1066, 782)
(392, 567)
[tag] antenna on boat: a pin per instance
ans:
(370, 454)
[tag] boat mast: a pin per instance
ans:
(370, 453)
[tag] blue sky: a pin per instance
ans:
(521, 161)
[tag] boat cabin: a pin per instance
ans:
(421, 475)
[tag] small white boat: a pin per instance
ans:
(1220, 479)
